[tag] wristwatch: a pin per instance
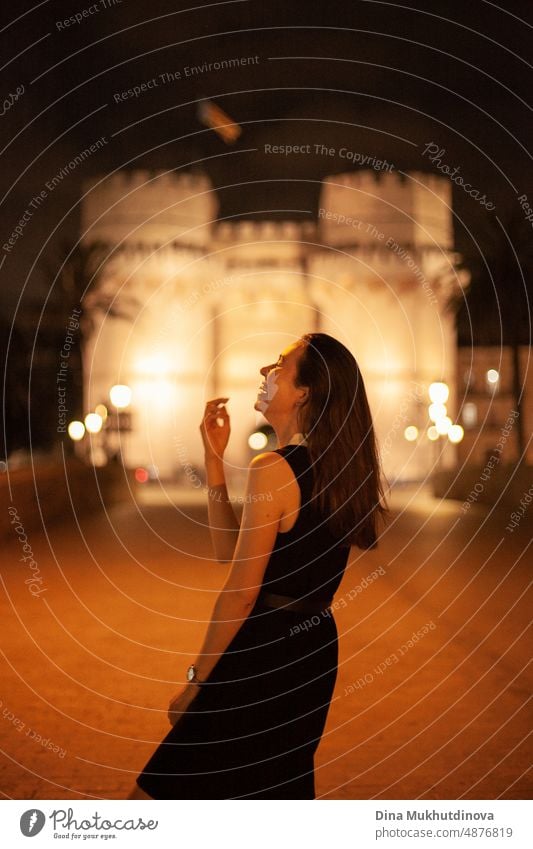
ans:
(192, 677)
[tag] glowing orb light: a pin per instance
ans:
(443, 425)
(120, 396)
(93, 422)
(76, 430)
(257, 440)
(439, 392)
(436, 412)
(456, 433)
(469, 414)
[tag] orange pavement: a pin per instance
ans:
(88, 664)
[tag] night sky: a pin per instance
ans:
(381, 79)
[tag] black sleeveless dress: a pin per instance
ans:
(253, 729)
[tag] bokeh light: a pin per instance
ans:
(257, 440)
(93, 422)
(443, 425)
(76, 430)
(120, 396)
(101, 409)
(436, 411)
(469, 413)
(455, 433)
(439, 392)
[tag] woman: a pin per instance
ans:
(250, 717)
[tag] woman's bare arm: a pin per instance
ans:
(223, 523)
(263, 508)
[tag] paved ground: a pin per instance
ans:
(88, 665)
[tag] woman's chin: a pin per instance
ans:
(261, 405)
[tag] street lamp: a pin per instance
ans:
(119, 423)
(493, 379)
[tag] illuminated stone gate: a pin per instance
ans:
(218, 299)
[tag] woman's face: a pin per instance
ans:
(278, 394)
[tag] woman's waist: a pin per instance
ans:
(310, 603)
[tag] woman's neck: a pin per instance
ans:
(297, 439)
(288, 432)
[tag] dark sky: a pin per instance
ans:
(380, 78)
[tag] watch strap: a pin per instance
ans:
(193, 679)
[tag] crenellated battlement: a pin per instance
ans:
(188, 181)
(368, 206)
(149, 206)
(356, 209)
(253, 231)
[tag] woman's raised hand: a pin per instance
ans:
(215, 427)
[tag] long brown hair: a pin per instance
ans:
(337, 422)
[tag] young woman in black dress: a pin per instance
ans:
(249, 719)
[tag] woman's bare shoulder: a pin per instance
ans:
(272, 465)
(268, 460)
(270, 472)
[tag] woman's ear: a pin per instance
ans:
(303, 393)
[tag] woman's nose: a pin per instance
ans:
(264, 370)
